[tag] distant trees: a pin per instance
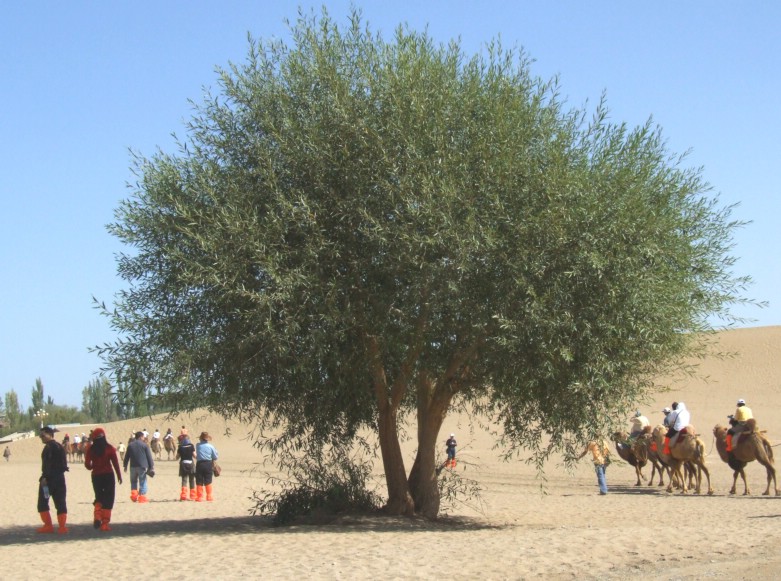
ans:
(98, 401)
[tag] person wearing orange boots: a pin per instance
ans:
(186, 455)
(205, 454)
(51, 484)
(101, 459)
(142, 464)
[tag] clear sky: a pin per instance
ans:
(85, 82)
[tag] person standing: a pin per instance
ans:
(7, 453)
(186, 454)
(601, 454)
(450, 448)
(51, 484)
(206, 454)
(142, 464)
(101, 459)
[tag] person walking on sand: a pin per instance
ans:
(51, 484)
(142, 464)
(205, 454)
(7, 453)
(185, 452)
(601, 456)
(101, 459)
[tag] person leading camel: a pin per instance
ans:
(738, 423)
(682, 418)
(601, 456)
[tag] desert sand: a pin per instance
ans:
(562, 530)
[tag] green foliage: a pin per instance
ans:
(318, 489)
(99, 401)
(355, 223)
(37, 395)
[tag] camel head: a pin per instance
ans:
(619, 436)
(719, 431)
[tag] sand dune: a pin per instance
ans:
(569, 532)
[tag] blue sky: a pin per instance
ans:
(84, 82)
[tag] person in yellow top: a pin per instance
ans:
(738, 422)
(601, 456)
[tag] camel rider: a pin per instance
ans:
(666, 420)
(168, 435)
(738, 423)
(156, 435)
(682, 418)
(639, 423)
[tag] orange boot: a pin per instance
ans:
(142, 498)
(729, 442)
(61, 520)
(47, 527)
(106, 518)
(97, 515)
(193, 494)
(453, 463)
(200, 493)
(183, 493)
(209, 496)
(666, 445)
(134, 495)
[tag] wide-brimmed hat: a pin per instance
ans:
(666, 410)
(205, 436)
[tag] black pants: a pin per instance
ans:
(104, 487)
(57, 492)
(204, 471)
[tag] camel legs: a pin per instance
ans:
(735, 475)
(771, 476)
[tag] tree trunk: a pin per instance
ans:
(399, 498)
(423, 476)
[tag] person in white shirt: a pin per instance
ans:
(156, 435)
(678, 419)
(639, 423)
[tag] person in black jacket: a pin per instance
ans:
(51, 484)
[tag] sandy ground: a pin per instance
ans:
(567, 532)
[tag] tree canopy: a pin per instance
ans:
(357, 231)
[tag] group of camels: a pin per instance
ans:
(685, 464)
(75, 451)
(168, 444)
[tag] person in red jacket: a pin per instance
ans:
(101, 458)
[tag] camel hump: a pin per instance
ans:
(648, 429)
(751, 425)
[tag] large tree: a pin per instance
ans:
(359, 232)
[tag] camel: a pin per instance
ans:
(657, 464)
(689, 448)
(752, 445)
(634, 455)
(156, 448)
(170, 447)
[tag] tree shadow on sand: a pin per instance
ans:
(243, 526)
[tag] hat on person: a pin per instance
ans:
(49, 430)
(666, 410)
(98, 433)
(204, 436)
(741, 402)
(452, 435)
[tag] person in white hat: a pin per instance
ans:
(450, 444)
(738, 421)
(666, 420)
